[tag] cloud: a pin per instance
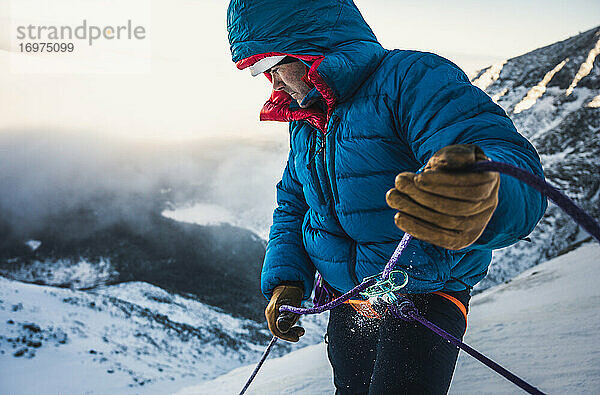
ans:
(47, 175)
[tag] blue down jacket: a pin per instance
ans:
(387, 112)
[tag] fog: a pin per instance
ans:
(45, 175)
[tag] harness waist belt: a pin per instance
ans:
(365, 308)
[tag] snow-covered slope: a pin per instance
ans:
(126, 338)
(544, 325)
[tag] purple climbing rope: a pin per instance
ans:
(588, 223)
(356, 290)
(259, 365)
(394, 258)
(328, 306)
(407, 311)
(334, 303)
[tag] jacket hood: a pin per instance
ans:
(331, 35)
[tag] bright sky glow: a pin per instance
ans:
(194, 90)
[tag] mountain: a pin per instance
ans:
(549, 338)
(100, 292)
(130, 337)
(219, 264)
(553, 96)
(99, 300)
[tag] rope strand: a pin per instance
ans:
(583, 219)
(259, 364)
(409, 312)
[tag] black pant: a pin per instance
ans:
(392, 356)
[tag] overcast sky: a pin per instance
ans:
(192, 89)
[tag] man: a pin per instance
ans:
(363, 119)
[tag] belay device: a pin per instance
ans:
(386, 288)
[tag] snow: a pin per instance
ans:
(489, 76)
(595, 103)
(305, 371)
(177, 308)
(201, 214)
(498, 95)
(549, 112)
(33, 244)
(80, 273)
(564, 132)
(213, 214)
(544, 325)
(129, 338)
(537, 91)
(585, 68)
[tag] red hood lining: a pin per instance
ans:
(277, 108)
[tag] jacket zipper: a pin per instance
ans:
(353, 263)
(312, 167)
(330, 173)
(331, 169)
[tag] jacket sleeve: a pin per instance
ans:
(438, 106)
(286, 259)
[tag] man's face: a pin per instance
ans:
(288, 78)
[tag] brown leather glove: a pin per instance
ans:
(281, 324)
(446, 205)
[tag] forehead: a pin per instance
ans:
(286, 66)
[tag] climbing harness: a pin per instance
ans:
(387, 284)
(454, 301)
(364, 308)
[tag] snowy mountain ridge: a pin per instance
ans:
(130, 337)
(553, 96)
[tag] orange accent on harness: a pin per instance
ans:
(457, 302)
(364, 308)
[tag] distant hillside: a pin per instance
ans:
(220, 265)
(130, 338)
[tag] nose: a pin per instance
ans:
(277, 82)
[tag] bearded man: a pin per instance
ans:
(364, 119)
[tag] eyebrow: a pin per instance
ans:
(274, 68)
